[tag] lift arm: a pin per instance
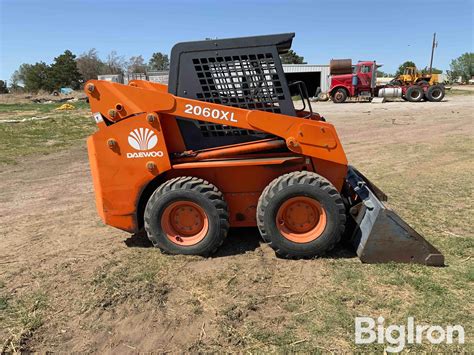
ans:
(117, 102)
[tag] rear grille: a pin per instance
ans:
(246, 81)
(241, 72)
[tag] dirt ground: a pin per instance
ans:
(82, 286)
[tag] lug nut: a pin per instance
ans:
(111, 143)
(151, 166)
(150, 117)
(112, 113)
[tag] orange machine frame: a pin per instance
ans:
(124, 177)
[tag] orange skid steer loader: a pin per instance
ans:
(223, 146)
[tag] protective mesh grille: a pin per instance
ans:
(244, 81)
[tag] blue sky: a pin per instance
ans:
(387, 31)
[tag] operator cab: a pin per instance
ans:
(241, 72)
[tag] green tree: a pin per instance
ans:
(159, 61)
(434, 70)
(463, 67)
(34, 77)
(64, 72)
(402, 67)
(292, 58)
(89, 65)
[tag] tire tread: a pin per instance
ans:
(298, 178)
(206, 189)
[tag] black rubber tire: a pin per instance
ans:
(435, 93)
(308, 184)
(414, 94)
(199, 191)
(339, 96)
(422, 83)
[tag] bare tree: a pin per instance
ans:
(16, 79)
(90, 65)
(136, 64)
(115, 64)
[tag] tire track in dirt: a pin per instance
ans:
(47, 212)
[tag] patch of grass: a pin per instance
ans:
(394, 291)
(3, 303)
(281, 340)
(291, 306)
(441, 182)
(39, 107)
(470, 275)
(60, 131)
(428, 286)
(196, 305)
(22, 317)
(135, 279)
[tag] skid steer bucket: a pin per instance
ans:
(380, 235)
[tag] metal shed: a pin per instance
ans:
(158, 76)
(115, 78)
(313, 75)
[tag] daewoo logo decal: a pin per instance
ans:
(142, 139)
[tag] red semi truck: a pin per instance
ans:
(359, 80)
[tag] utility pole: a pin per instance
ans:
(435, 44)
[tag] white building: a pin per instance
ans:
(158, 76)
(313, 75)
(115, 78)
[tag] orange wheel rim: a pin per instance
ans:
(184, 223)
(301, 219)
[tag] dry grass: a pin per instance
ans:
(60, 130)
(21, 317)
